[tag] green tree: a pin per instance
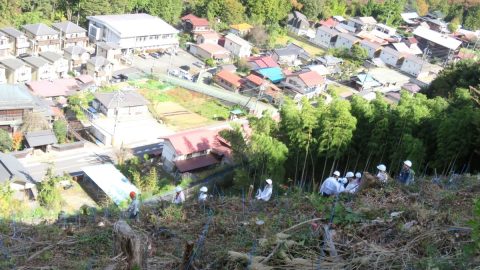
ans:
(472, 20)
(422, 7)
(60, 130)
(210, 62)
(6, 143)
(359, 54)
(460, 75)
(334, 7)
(150, 181)
(48, 191)
(268, 12)
(312, 8)
(228, 11)
(169, 10)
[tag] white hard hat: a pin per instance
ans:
(336, 173)
(204, 189)
(408, 163)
(358, 175)
(349, 174)
(269, 181)
(382, 167)
(178, 189)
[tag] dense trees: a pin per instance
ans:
(437, 134)
(460, 75)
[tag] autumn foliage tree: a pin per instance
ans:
(17, 138)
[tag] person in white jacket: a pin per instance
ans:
(266, 193)
(134, 207)
(382, 173)
(203, 194)
(332, 185)
(179, 195)
(353, 183)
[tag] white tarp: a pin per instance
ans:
(111, 181)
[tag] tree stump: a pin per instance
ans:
(132, 244)
(187, 255)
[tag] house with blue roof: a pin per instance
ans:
(274, 74)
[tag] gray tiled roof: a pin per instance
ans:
(51, 56)
(99, 61)
(40, 138)
(12, 170)
(123, 99)
(10, 31)
(291, 49)
(328, 30)
(75, 50)
(12, 63)
(14, 96)
(39, 29)
(35, 61)
(68, 27)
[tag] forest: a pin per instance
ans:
(269, 13)
(440, 134)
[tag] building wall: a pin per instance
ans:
(238, 50)
(21, 75)
(168, 155)
(225, 84)
(100, 74)
(322, 38)
(411, 67)
(343, 43)
(3, 78)
(389, 59)
(371, 51)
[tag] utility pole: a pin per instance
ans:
(118, 97)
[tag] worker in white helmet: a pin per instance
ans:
(353, 182)
(406, 176)
(203, 194)
(179, 195)
(266, 193)
(382, 173)
(332, 185)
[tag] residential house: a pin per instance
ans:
(16, 71)
(195, 25)
(330, 22)
(254, 85)
(77, 57)
(307, 84)
(438, 45)
(194, 149)
(410, 18)
(373, 49)
(133, 32)
(437, 25)
(392, 57)
(386, 30)
(291, 54)
(362, 23)
(18, 177)
(241, 29)
(211, 37)
(71, 34)
(54, 90)
(111, 51)
(41, 139)
(122, 104)
(346, 40)
(326, 37)
(100, 69)
(365, 82)
(298, 23)
(59, 64)
(414, 66)
(332, 63)
(273, 74)
(41, 69)
(19, 43)
(42, 37)
(4, 45)
(228, 80)
(16, 102)
(258, 62)
(209, 50)
(237, 45)
(320, 69)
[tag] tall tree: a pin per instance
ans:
(6, 142)
(268, 12)
(312, 8)
(169, 10)
(472, 20)
(422, 7)
(60, 130)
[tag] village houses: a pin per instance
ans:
(237, 45)
(18, 41)
(42, 38)
(71, 34)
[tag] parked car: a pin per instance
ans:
(185, 67)
(123, 77)
(143, 55)
(116, 79)
(155, 55)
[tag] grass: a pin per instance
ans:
(283, 40)
(338, 89)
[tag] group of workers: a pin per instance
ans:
(335, 184)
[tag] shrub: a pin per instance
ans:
(60, 129)
(6, 142)
(48, 190)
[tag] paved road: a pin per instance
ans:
(220, 93)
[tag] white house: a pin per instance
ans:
(42, 37)
(362, 23)
(325, 37)
(76, 57)
(391, 57)
(133, 32)
(123, 103)
(41, 69)
(304, 84)
(373, 49)
(4, 45)
(17, 176)
(18, 41)
(71, 34)
(346, 40)
(237, 45)
(59, 64)
(16, 71)
(100, 69)
(412, 65)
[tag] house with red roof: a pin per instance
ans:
(253, 83)
(194, 24)
(210, 50)
(304, 84)
(259, 62)
(228, 80)
(195, 149)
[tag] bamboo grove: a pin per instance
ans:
(439, 135)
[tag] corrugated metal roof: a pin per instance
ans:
(125, 99)
(40, 138)
(39, 29)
